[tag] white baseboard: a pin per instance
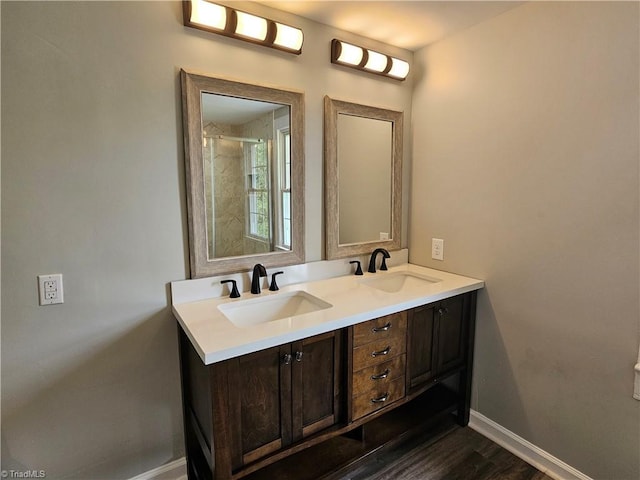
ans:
(543, 461)
(176, 470)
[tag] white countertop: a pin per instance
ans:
(216, 338)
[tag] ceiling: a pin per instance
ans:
(406, 24)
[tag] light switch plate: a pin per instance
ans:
(437, 248)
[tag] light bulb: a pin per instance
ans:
(399, 68)
(251, 26)
(208, 14)
(350, 54)
(288, 37)
(376, 61)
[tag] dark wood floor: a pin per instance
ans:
(448, 452)
(438, 451)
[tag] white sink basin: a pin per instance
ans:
(244, 313)
(394, 282)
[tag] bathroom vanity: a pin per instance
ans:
(380, 358)
(302, 382)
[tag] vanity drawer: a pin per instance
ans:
(373, 377)
(378, 398)
(387, 327)
(377, 352)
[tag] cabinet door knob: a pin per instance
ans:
(443, 311)
(298, 356)
(380, 376)
(286, 358)
(384, 328)
(381, 352)
(381, 399)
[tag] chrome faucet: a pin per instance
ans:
(372, 262)
(258, 271)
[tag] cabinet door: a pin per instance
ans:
(316, 385)
(450, 328)
(260, 403)
(421, 363)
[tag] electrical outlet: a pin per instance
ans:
(50, 289)
(384, 235)
(437, 249)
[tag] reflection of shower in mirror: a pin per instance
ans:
(245, 157)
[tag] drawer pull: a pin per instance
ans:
(381, 352)
(384, 328)
(298, 356)
(381, 399)
(286, 358)
(380, 376)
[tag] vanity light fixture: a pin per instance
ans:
(211, 17)
(347, 54)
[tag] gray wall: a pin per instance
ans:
(93, 188)
(525, 147)
(526, 135)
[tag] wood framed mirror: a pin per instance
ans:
(244, 157)
(363, 178)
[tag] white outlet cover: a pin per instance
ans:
(50, 289)
(437, 248)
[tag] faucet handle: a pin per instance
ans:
(358, 268)
(274, 286)
(234, 289)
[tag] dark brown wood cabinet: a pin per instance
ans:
(420, 349)
(317, 372)
(436, 340)
(440, 343)
(248, 415)
(450, 327)
(241, 410)
(283, 394)
(377, 361)
(259, 391)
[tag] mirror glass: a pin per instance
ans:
(363, 170)
(247, 176)
(245, 169)
(364, 173)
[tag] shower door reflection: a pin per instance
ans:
(247, 177)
